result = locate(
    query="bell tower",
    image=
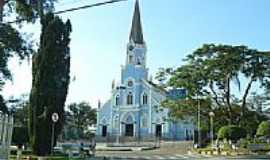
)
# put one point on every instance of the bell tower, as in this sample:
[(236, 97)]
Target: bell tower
[(135, 67), (136, 48)]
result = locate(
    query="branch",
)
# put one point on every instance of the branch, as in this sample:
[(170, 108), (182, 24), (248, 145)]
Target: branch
[(215, 94), (246, 94), (228, 91)]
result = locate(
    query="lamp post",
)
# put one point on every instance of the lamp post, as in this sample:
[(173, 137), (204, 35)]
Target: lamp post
[(118, 133), (199, 122), (211, 115)]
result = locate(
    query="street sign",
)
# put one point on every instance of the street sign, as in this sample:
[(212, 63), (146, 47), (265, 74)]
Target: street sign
[(55, 117)]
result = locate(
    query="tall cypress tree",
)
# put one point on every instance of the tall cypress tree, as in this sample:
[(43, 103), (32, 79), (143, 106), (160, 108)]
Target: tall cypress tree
[(50, 72)]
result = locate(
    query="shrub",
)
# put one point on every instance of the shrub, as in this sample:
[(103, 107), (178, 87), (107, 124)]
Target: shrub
[(263, 129), (231, 132), (20, 136)]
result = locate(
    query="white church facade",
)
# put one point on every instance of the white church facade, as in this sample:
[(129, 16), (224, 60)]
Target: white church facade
[(134, 109)]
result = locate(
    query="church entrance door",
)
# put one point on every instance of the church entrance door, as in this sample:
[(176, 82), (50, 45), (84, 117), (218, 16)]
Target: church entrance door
[(158, 130), (129, 130), (104, 131)]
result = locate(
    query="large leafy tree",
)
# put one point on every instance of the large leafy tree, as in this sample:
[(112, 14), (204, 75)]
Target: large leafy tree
[(222, 72), (50, 72), (79, 117), (12, 43)]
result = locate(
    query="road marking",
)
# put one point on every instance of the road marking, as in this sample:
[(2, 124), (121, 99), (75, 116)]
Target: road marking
[(172, 157), (207, 156), (159, 157), (194, 156), (146, 157), (133, 157), (181, 156)]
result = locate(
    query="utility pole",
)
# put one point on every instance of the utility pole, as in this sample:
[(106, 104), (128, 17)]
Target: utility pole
[(212, 114)]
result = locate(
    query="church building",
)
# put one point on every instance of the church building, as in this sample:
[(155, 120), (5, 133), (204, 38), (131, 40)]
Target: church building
[(134, 109)]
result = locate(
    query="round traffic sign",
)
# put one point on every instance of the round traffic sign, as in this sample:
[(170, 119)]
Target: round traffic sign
[(55, 117)]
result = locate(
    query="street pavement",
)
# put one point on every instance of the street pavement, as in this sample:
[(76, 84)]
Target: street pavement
[(142, 156), (168, 151), (155, 157), (180, 157)]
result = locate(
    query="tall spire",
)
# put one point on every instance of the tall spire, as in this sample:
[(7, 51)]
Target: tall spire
[(136, 34)]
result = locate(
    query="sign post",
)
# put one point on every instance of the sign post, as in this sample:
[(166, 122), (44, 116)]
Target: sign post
[(55, 118)]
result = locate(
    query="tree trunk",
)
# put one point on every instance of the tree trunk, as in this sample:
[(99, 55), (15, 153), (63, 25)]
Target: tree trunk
[(214, 93), (40, 10), (227, 96), (244, 100)]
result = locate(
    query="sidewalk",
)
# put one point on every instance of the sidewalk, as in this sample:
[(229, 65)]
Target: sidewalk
[(105, 147)]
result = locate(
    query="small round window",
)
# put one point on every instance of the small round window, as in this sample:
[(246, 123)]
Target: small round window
[(130, 83)]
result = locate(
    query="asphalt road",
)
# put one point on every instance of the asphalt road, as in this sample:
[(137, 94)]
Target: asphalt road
[(168, 151), (162, 156), (179, 157)]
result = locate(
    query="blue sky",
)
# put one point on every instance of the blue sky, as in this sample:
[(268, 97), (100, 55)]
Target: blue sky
[(172, 29)]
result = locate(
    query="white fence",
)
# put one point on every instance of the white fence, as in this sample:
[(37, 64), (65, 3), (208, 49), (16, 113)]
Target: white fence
[(6, 128)]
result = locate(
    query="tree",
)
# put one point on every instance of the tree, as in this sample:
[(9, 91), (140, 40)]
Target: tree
[(50, 72), (12, 43), (263, 129), (80, 116), (3, 106), (183, 108), (212, 70), (19, 110), (30, 10), (231, 132)]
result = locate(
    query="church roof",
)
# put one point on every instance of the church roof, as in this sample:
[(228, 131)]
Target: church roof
[(136, 34)]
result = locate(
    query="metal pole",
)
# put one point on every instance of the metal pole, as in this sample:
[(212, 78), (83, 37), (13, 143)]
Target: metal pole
[(52, 140), (139, 128), (199, 123), (212, 131), (118, 133)]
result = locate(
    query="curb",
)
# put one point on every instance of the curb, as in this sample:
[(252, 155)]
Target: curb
[(127, 149)]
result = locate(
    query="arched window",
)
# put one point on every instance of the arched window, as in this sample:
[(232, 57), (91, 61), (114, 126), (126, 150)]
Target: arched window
[(117, 100), (139, 61), (129, 99), (144, 99)]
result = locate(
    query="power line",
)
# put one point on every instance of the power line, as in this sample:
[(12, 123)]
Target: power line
[(74, 9), (88, 6)]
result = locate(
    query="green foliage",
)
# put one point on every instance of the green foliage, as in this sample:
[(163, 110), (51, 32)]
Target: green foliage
[(20, 132), (3, 106), (79, 117), (181, 109), (33, 9), (20, 135), (213, 70), (263, 129), (50, 70), (11, 44), (231, 132)]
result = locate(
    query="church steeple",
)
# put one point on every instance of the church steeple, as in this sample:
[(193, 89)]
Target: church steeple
[(136, 34)]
